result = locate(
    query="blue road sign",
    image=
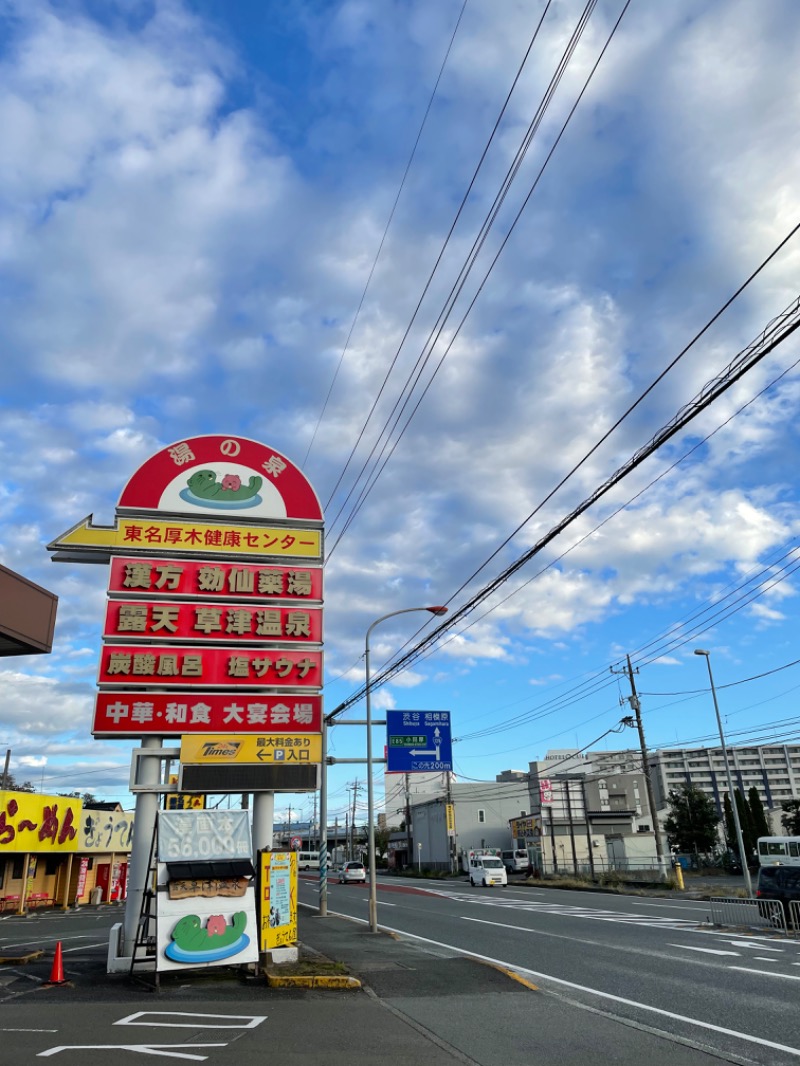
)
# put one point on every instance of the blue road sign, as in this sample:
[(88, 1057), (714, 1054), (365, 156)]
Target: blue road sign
[(418, 741)]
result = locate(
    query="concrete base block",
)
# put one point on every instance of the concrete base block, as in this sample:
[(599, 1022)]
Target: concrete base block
[(282, 955)]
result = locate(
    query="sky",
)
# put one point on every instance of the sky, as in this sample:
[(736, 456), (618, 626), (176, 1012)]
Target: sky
[(272, 220)]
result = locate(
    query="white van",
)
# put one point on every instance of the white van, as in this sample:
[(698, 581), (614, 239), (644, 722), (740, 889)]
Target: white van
[(309, 860), (487, 870), (516, 861)]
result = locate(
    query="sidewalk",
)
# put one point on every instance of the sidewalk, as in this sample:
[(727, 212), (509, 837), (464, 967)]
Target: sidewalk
[(471, 1011)]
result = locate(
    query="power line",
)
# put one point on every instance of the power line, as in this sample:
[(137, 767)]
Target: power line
[(778, 330), (386, 231)]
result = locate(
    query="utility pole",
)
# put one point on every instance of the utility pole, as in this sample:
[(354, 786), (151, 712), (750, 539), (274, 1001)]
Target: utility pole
[(5, 768), (408, 823), (636, 706)]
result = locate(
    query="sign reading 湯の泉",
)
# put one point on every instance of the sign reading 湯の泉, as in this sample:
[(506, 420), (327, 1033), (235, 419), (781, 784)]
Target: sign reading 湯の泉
[(418, 741), (215, 584), (278, 899)]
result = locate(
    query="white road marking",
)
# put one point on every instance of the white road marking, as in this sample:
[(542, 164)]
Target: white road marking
[(2, 1030), (670, 906), (83, 947), (765, 958), (239, 1021), (602, 995), (707, 951), (766, 973), (750, 944)]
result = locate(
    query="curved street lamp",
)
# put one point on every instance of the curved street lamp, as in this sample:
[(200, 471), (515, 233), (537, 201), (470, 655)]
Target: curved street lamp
[(734, 806), (373, 888)]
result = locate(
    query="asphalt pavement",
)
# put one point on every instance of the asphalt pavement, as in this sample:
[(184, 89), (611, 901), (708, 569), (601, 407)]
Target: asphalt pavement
[(416, 1002)]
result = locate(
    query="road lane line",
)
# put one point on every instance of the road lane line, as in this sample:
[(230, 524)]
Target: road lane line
[(750, 944), (746, 1037), (707, 951), (767, 973)]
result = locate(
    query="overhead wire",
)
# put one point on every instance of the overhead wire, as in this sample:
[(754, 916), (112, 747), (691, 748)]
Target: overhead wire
[(463, 275), (386, 230), (439, 257), (778, 330)]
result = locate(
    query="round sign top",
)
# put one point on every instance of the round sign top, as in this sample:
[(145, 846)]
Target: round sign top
[(218, 475), (296, 843)]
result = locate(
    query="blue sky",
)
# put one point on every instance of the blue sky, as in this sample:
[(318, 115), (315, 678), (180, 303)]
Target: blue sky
[(192, 201)]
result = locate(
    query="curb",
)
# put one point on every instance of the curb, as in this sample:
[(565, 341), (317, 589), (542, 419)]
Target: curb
[(312, 982), (509, 973)]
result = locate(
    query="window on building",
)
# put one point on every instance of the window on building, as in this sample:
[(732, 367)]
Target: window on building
[(481, 816), (16, 870)]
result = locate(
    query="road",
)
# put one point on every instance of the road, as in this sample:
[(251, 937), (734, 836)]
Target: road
[(648, 961)]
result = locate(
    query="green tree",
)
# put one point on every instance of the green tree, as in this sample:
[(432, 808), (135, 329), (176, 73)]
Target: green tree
[(760, 822), (746, 822), (730, 825), (13, 785), (692, 821), (790, 819)]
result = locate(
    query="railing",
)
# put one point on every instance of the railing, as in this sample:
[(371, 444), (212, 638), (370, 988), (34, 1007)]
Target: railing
[(794, 918), (748, 913)]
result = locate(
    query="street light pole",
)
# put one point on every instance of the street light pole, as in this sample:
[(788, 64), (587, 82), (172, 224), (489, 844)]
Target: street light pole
[(373, 886), (734, 807)]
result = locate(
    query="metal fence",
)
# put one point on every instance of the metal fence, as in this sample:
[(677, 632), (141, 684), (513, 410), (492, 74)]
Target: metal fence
[(748, 913), (794, 918)]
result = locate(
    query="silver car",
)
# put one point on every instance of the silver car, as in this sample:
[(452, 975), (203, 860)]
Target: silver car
[(352, 871)]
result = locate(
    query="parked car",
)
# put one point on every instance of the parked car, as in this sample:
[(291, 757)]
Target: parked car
[(516, 861), (781, 883), (352, 872), (487, 870)]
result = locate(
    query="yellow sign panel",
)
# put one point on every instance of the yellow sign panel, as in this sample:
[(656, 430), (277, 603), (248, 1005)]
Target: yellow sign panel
[(34, 823), (131, 535), (450, 816), (277, 876), (183, 801), (283, 748)]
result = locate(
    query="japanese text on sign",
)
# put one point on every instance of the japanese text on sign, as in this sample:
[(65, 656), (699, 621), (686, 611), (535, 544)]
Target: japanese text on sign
[(34, 823), (186, 577), (206, 622), (133, 665), (194, 836), (128, 714)]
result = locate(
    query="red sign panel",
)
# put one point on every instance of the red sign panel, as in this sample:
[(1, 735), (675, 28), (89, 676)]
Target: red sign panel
[(184, 577), (133, 714), (202, 622), (222, 475), (131, 664), (545, 791)]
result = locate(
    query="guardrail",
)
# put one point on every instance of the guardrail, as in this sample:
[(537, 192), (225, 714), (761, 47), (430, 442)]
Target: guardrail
[(748, 913), (794, 918)]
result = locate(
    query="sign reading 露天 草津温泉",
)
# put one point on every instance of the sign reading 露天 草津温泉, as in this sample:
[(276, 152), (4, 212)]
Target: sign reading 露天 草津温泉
[(418, 741)]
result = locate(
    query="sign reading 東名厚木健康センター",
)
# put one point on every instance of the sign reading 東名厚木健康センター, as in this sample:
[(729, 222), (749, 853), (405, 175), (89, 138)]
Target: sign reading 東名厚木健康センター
[(418, 741)]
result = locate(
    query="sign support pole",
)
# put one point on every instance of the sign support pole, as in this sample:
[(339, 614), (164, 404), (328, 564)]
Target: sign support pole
[(143, 829), (263, 821)]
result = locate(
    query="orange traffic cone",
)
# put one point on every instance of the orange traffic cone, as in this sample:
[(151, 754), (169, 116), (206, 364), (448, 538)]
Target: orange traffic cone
[(57, 972)]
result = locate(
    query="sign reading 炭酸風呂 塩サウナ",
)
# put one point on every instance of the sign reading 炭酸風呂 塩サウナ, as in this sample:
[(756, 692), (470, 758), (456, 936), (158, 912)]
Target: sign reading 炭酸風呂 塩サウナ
[(132, 664), (133, 714), (418, 741)]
